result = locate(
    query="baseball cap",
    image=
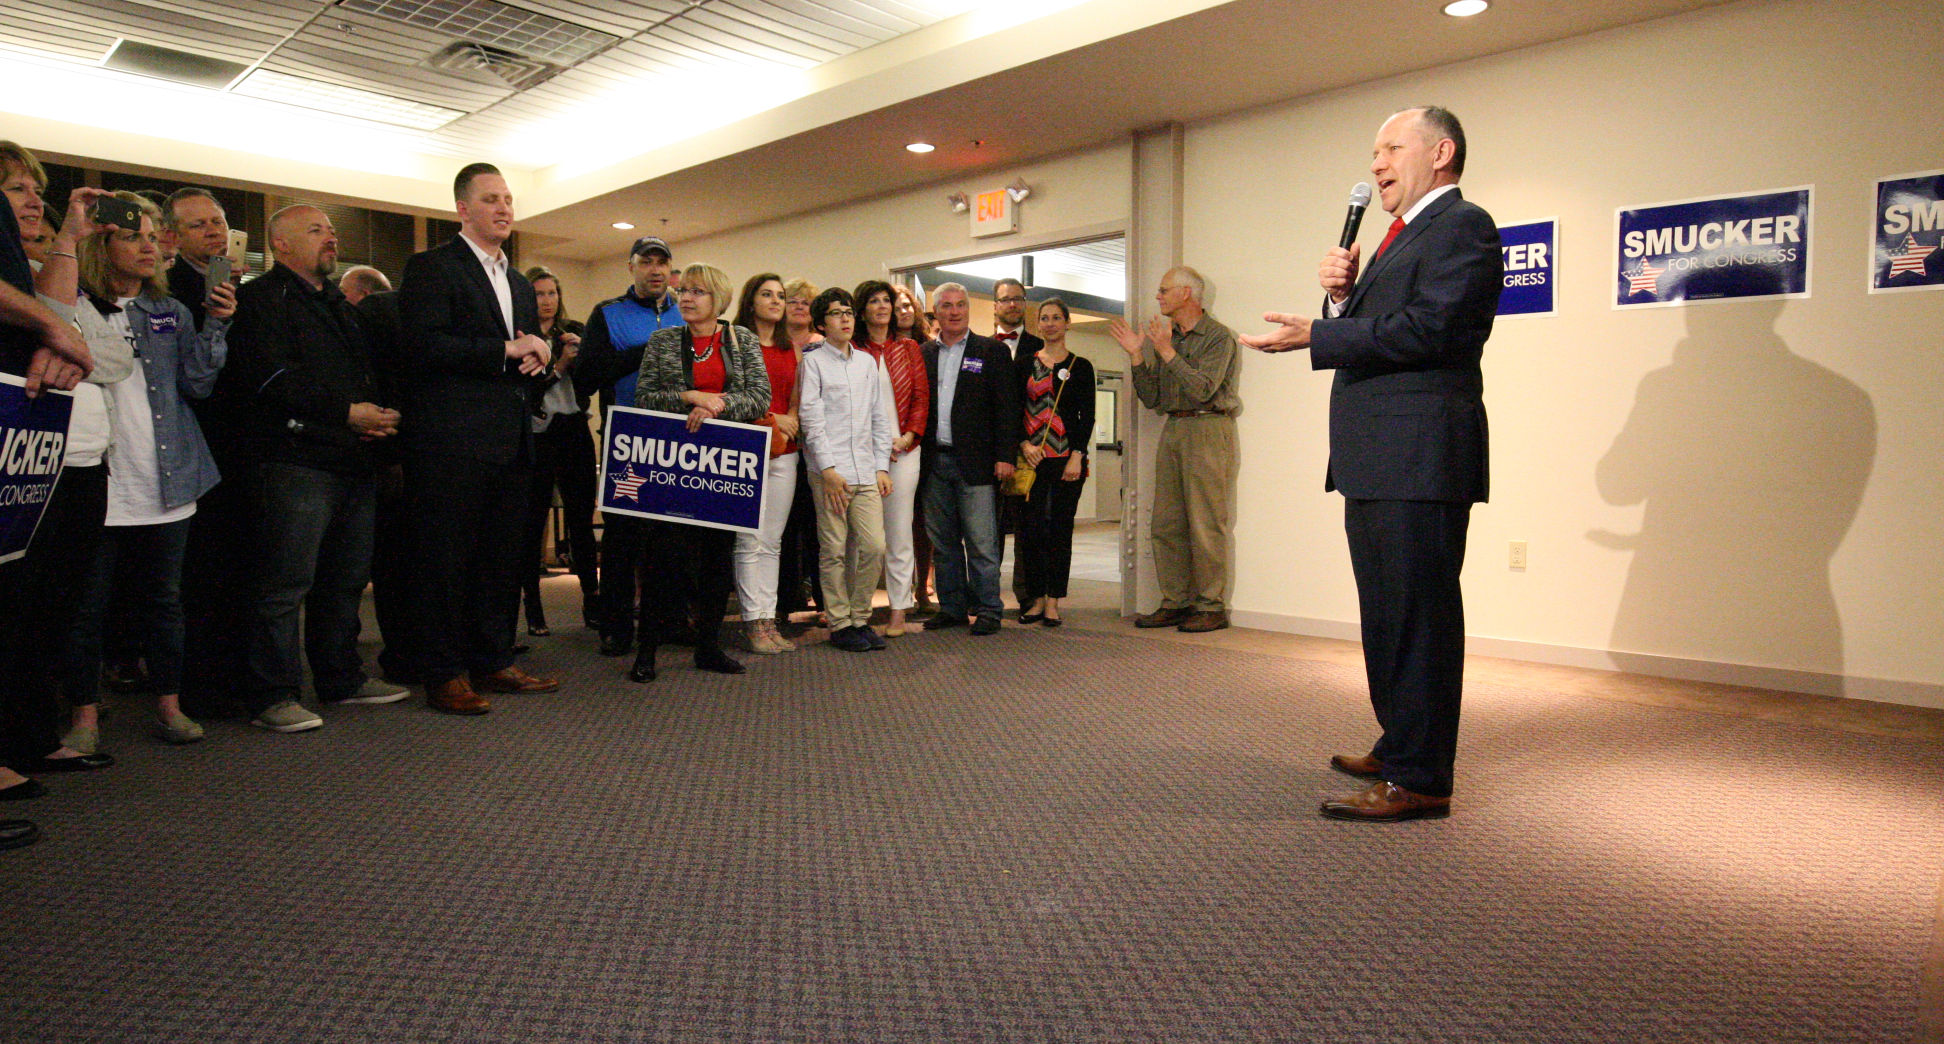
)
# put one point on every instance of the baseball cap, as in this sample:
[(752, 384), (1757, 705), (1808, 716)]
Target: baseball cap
[(646, 244)]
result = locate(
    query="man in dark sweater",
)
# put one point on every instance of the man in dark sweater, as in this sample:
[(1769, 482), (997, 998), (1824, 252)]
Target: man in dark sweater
[(307, 412)]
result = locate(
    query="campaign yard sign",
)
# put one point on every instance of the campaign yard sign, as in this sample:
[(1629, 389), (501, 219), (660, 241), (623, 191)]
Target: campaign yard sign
[(654, 467), (33, 442), (1712, 249), (1531, 252), (1908, 231)]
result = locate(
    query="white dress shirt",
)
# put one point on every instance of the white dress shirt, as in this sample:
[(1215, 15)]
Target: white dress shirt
[(495, 265), (845, 424)]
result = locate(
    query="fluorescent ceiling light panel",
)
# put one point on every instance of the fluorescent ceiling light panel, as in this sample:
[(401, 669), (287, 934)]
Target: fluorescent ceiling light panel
[(197, 70), (345, 101), (491, 22)]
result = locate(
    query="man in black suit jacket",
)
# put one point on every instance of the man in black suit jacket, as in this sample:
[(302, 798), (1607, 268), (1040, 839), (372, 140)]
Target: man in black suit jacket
[(1009, 329), (1407, 449), (472, 359), (971, 438)]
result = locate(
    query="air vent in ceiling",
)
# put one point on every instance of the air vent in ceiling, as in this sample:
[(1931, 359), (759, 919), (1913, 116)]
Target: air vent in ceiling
[(464, 57), (169, 64), (500, 26)]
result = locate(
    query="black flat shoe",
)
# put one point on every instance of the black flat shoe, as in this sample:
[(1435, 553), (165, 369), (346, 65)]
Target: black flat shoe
[(1031, 618), (78, 763), (643, 670), (716, 660), (17, 833), (541, 631), (521, 649), (27, 791), (1051, 621)]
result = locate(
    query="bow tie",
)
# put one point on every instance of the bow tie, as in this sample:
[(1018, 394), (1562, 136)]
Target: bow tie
[(1010, 335)]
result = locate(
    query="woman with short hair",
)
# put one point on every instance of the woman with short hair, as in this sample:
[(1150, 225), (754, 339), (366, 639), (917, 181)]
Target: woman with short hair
[(709, 370)]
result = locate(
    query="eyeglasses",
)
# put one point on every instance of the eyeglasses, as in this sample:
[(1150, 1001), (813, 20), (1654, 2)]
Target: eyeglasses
[(1009, 300), (693, 291), (840, 313)]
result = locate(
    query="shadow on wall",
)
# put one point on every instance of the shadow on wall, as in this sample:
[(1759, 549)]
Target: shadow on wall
[(1751, 461)]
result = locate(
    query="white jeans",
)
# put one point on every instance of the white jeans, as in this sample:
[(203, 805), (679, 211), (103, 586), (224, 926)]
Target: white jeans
[(757, 554), (900, 554)]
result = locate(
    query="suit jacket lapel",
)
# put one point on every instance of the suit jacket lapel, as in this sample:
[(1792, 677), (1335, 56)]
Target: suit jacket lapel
[(1403, 241)]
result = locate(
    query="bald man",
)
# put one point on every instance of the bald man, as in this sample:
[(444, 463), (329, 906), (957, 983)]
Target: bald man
[(309, 418)]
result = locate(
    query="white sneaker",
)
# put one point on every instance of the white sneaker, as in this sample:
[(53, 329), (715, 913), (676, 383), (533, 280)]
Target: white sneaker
[(377, 690), (288, 716)]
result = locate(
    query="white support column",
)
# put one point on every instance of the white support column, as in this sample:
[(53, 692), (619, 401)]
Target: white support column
[(1153, 247)]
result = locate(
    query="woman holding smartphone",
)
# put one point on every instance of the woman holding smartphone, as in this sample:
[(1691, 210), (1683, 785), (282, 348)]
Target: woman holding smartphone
[(159, 465)]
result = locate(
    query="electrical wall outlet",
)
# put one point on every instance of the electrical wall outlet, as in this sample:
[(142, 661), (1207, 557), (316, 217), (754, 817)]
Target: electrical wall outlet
[(1517, 558)]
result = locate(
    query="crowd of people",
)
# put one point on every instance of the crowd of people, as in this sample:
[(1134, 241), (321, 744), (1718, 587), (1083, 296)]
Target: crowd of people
[(247, 453)]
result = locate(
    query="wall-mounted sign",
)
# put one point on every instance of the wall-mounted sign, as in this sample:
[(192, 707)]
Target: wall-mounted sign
[(1905, 242), (994, 214), (1717, 248), (1531, 254)]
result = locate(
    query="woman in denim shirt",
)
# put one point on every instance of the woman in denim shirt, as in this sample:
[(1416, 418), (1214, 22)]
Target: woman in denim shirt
[(157, 466)]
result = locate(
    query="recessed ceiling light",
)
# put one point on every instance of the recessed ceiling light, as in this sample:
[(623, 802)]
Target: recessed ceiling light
[(919, 147), (624, 225), (1465, 8)]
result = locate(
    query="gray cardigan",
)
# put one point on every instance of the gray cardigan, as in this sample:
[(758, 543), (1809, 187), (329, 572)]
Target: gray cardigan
[(663, 377)]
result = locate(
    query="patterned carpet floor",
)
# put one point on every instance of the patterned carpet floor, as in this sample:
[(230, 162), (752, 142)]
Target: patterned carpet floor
[(1040, 836)]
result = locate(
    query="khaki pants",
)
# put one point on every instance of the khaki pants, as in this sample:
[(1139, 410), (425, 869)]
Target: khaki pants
[(1194, 510), (850, 553)]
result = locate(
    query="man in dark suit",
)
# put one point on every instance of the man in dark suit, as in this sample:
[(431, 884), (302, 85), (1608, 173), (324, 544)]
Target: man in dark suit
[(1407, 449), (472, 359), (1009, 329), (971, 438)]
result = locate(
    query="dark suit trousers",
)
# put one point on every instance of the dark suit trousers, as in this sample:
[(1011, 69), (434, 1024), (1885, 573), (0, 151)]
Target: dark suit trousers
[(1407, 555), (468, 519)]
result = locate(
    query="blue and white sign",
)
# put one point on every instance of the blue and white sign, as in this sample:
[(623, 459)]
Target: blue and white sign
[(1713, 249), (1907, 234), (654, 467), (33, 442), (1531, 253)]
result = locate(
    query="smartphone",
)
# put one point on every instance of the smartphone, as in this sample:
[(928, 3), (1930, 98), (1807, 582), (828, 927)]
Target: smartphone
[(117, 212), (219, 271), (239, 249)]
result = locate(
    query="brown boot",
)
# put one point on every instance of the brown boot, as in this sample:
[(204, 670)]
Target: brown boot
[(456, 696)]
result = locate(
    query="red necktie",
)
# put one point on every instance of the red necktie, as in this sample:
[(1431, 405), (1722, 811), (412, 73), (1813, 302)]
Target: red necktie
[(1396, 227)]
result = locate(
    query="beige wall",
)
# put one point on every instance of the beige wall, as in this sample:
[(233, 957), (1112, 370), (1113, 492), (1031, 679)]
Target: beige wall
[(1719, 532)]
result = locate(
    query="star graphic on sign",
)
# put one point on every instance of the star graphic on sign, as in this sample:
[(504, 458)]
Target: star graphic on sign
[(1910, 258), (1646, 279)]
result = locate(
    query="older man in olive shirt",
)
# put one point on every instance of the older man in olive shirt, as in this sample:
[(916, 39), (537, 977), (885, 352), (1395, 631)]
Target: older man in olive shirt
[(1184, 365)]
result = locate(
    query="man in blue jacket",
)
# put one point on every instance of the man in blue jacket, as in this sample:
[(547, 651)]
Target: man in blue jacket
[(610, 356)]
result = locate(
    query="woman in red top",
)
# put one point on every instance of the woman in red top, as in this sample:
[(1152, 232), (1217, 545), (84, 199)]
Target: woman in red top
[(903, 364), (908, 321), (760, 311)]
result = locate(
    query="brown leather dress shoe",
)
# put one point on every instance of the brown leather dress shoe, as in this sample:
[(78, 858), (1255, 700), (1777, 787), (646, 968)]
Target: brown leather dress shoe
[(1163, 617), (513, 680), (1387, 803), (456, 696), (1207, 620), (1362, 766)]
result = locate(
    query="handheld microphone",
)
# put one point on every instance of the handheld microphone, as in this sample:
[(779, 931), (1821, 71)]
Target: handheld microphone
[(1359, 199)]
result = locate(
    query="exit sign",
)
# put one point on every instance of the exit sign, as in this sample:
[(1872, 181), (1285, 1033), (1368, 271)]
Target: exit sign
[(994, 214)]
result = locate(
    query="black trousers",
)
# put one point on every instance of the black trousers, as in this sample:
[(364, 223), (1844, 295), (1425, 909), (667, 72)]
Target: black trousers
[(564, 455), (392, 568), (1043, 554), (39, 595), (690, 568), (468, 518), (1407, 555)]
